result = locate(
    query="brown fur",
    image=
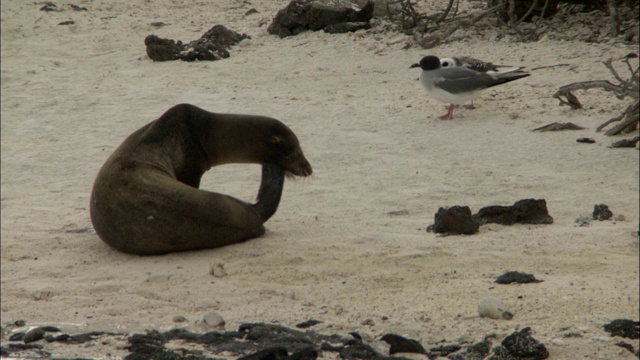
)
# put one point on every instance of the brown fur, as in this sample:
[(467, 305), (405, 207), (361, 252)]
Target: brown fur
[(146, 201)]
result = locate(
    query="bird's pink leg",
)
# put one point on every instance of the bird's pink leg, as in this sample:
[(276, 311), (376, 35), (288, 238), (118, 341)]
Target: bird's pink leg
[(448, 115)]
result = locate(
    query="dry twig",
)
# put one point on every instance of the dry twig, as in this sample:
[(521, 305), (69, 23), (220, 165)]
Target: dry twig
[(549, 66), (630, 117), (431, 40)]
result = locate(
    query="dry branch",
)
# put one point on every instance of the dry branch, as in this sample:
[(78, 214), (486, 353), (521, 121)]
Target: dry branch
[(585, 85), (630, 117), (613, 14), (432, 40)]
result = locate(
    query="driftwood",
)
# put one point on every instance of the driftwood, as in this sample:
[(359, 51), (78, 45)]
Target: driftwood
[(566, 90), (629, 121), (625, 143), (625, 88)]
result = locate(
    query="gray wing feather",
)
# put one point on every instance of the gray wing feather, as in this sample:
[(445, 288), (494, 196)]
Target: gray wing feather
[(461, 80)]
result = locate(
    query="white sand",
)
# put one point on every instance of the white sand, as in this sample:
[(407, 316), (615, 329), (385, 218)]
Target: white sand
[(71, 94)]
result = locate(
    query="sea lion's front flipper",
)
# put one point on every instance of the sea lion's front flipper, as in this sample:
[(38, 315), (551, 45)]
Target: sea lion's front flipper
[(270, 191)]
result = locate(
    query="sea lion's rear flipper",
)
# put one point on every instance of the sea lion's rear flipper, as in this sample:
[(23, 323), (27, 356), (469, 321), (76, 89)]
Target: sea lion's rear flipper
[(270, 191)]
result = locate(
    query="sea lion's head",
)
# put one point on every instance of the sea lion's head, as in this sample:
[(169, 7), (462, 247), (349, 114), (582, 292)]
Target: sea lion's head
[(284, 150)]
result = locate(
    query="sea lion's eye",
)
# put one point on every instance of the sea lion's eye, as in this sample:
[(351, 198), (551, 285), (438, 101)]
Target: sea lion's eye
[(281, 145), (275, 139)]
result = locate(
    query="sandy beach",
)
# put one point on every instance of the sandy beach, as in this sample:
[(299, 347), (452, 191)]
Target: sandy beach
[(349, 245)]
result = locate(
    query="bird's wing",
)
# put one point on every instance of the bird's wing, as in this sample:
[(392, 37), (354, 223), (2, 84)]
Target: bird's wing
[(475, 64), (462, 80)]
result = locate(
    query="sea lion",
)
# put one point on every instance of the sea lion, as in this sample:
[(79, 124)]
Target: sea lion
[(146, 201)]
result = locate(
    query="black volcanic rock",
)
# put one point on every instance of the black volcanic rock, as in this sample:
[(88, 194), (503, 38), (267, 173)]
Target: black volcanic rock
[(520, 345), (455, 220), (526, 211), (601, 212), (335, 16), (211, 46), (516, 277)]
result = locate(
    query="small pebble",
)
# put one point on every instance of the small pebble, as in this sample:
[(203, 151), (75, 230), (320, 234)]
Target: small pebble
[(572, 335), (42, 295), (216, 269), (368, 322), (494, 308), (583, 221), (620, 217), (213, 320), (558, 342), (179, 318)]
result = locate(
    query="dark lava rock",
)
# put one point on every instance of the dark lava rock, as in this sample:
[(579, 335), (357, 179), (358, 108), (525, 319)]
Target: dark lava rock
[(162, 49), (86, 337), (303, 15), (211, 46), (17, 349), (274, 334), (400, 344), (345, 27), (455, 220), (520, 345), (476, 351), (623, 328), (308, 353), (252, 340), (308, 324), (149, 346), (78, 8), (601, 212), (526, 211), (49, 6), (357, 350), (585, 140), (443, 351), (274, 353), (625, 345), (516, 277)]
